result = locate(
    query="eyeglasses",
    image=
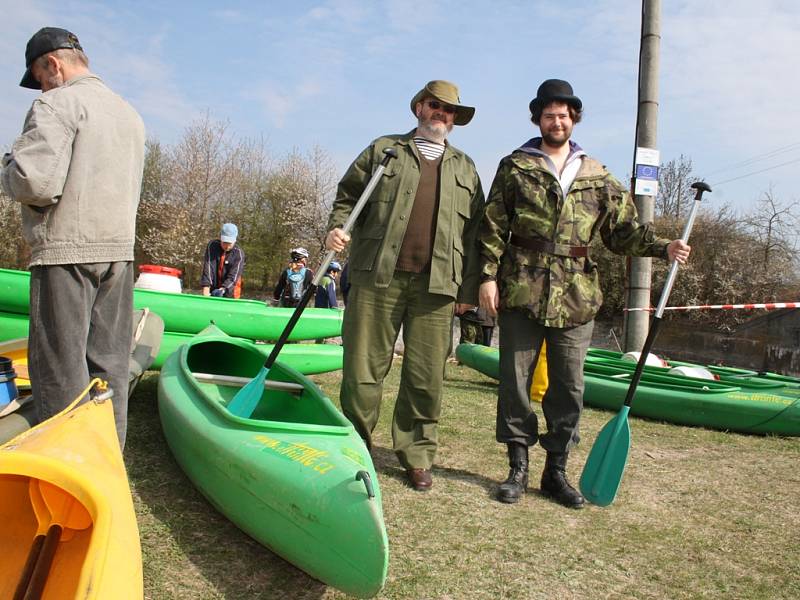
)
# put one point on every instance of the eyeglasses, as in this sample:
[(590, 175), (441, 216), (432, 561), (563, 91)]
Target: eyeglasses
[(436, 105)]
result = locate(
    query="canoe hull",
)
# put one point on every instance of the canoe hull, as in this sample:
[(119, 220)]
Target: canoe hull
[(189, 313), (78, 452), (740, 400), (309, 359), (290, 484)]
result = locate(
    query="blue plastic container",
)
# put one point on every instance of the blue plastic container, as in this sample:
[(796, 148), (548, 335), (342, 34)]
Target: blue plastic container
[(8, 387)]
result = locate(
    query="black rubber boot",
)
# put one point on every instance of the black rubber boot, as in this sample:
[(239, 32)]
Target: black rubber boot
[(512, 489), (555, 484)]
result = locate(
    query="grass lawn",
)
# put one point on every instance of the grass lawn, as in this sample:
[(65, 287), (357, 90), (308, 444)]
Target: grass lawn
[(700, 514)]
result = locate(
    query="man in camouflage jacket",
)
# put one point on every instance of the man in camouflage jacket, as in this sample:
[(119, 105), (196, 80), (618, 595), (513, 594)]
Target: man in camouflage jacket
[(413, 260), (547, 202)]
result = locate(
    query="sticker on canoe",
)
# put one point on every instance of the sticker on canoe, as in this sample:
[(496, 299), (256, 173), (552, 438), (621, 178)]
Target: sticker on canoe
[(301, 453), (355, 456), (763, 398)]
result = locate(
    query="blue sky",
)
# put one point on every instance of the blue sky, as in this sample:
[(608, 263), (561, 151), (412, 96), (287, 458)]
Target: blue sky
[(338, 73)]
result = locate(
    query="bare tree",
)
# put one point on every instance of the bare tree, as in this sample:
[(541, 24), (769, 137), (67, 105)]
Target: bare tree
[(773, 224), (299, 197), (674, 191), (210, 177)]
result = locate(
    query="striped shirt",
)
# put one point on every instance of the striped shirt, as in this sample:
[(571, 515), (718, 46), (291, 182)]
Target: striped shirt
[(428, 149)]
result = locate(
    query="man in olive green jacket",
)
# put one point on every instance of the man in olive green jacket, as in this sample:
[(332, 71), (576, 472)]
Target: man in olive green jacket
[(413, 254), (548, 200)]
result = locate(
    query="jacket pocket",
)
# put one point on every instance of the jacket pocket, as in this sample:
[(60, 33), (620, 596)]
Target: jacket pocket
[(464, 191), (458, 260), (379, 206), (582, 296), (36, 220), (520, 278), (365, 249)]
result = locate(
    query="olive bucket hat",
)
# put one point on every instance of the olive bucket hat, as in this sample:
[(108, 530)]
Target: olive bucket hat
[(445, 92)]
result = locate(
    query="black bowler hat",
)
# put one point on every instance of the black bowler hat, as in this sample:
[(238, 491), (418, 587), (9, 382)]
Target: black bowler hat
[(555, 90), (43, 41)]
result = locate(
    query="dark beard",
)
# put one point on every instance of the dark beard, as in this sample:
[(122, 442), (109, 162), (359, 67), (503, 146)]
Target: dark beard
[(554, 142)]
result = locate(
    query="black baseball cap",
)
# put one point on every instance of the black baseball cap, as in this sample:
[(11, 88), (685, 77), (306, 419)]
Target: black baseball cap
[(43, 41)]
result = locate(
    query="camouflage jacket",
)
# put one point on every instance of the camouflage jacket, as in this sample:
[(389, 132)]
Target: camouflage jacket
[(527, 200), (381, 226)]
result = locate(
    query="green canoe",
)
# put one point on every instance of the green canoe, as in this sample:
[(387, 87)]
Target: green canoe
[(296, 476), (306, 358), (739, 400), (189, 313)]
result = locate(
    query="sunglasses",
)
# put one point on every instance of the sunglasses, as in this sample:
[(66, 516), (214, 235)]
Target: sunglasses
[(436, 105)]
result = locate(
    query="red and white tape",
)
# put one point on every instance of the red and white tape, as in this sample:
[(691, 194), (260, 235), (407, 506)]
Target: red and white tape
[(763, 305)]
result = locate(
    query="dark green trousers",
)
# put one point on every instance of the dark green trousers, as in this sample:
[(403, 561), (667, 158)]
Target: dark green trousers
[(372, 322)]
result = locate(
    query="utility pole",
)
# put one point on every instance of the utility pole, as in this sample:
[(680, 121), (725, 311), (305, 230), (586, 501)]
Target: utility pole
[(637, 292)]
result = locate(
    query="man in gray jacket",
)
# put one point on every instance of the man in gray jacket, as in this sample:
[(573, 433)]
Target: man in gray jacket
[(76, 170)]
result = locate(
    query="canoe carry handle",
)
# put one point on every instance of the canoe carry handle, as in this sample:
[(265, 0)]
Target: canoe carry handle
[(364, 476)]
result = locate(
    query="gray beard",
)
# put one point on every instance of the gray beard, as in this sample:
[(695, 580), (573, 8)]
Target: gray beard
[(434, 134)]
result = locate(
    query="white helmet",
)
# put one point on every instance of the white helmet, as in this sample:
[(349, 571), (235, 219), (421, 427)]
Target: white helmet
[(298, 253)]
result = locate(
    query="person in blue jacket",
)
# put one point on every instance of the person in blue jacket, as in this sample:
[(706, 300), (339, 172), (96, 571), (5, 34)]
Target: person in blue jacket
[(326, 292)]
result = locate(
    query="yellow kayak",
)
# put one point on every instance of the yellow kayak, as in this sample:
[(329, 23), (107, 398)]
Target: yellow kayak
[(68, 523)]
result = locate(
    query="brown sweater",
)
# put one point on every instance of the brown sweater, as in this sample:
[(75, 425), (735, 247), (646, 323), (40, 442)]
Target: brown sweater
[(417, 248)]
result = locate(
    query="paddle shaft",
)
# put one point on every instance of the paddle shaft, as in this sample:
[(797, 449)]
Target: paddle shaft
[(605, 464), (389, 154), (673, 272), (27, 570), (41, 570)]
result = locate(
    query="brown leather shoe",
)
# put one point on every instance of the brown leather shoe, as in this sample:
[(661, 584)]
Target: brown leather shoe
[(420, 479)]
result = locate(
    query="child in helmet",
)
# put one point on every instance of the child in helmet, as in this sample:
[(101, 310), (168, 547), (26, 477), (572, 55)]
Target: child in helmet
[(295, 280), (326, 292)]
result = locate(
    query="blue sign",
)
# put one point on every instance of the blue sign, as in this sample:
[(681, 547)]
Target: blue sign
[(647, 172)]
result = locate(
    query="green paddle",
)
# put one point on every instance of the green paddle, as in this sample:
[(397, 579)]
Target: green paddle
[(246, 399), (605, 465)]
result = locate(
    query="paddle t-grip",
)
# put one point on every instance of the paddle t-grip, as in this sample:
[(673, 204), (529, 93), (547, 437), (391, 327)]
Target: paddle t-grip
[(700, 186)]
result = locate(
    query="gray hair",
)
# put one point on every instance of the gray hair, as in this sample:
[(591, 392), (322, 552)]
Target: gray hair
[(72, 56)]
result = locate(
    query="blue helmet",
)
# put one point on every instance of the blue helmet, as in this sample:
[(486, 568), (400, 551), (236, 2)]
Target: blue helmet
[(334, 266)]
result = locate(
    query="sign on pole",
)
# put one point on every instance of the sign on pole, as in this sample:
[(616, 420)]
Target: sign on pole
[(646, 175)]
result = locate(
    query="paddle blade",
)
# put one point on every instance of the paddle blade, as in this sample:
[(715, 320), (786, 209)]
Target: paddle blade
[(605, 465), (65, 510), (247, 398)]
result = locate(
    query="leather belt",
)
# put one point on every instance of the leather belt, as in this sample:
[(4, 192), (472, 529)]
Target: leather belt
[(549, 247)]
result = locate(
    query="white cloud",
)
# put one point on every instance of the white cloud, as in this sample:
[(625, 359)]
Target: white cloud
[(279, 102)]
